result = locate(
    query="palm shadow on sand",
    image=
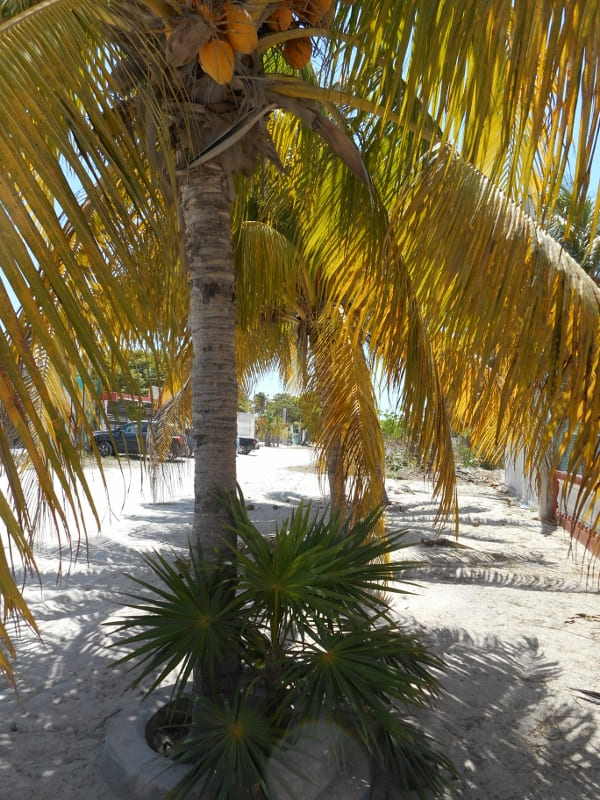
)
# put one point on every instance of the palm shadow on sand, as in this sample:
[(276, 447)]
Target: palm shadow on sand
[(505, 731)]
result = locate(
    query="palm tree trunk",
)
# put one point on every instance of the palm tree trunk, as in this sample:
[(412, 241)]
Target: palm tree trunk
[(205, 201), (336, 478)]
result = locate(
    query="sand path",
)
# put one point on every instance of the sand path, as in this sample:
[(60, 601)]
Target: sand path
[(514, 614)]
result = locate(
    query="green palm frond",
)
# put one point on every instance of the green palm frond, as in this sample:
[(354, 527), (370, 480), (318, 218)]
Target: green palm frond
[(344, 666), (189, 617), (318, 645), (578, 235), (318, 568), (229, 752)]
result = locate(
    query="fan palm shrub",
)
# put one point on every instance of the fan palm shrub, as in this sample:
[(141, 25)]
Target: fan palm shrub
[(309, 616)]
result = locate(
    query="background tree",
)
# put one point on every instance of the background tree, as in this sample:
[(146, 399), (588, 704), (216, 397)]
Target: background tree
[(259, 403), (286, 407), (145, 368), (579, 237)]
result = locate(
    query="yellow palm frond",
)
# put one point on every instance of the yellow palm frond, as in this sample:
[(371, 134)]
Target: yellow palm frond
[(529, 69), (513, 320), (346, 239), (350, 443)]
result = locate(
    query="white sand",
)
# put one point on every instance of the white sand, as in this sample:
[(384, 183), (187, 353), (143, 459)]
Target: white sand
[(513, 614)]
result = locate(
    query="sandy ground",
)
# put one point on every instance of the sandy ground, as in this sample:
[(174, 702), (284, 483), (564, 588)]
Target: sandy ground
[(514, 614)]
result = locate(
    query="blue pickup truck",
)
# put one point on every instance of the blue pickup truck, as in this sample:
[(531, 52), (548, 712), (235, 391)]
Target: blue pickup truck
[(132, 438)]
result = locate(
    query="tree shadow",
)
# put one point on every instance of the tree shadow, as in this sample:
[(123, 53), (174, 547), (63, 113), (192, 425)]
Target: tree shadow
[(293, 499), (506, 569), (420, 516), (52, 733), (152, 525), (507, 731), (498, 716)]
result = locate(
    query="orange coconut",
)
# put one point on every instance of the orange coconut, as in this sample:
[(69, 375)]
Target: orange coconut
[(312, 11), (316, 11), (217, 59), (297, 52), (239, 28), (280, 19)]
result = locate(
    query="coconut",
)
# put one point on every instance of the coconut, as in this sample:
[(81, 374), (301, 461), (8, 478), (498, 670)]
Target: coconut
[(297, 52), (312, 11), (217, 59), (280, 19), (240, 29)]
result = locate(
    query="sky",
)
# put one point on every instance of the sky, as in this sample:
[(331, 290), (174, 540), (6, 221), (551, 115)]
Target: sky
[(271, 385)]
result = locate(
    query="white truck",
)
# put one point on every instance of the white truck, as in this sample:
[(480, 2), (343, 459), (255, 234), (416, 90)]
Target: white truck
[(246, 430)]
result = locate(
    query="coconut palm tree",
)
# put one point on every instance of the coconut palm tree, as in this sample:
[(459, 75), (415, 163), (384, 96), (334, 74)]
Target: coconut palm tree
[(156, 103), (290, 321), (287, 254)]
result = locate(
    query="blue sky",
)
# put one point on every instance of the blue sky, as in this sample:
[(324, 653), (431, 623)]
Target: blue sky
[(271, 385)]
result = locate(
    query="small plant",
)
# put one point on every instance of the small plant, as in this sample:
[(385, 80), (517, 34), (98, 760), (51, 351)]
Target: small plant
[(466, 457), (402, 453), (308, 617), (463, 453)]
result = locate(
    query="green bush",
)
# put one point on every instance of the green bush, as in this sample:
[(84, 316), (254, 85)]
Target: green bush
[(401, 453), (465, 456), (308, 617), (392, 426)]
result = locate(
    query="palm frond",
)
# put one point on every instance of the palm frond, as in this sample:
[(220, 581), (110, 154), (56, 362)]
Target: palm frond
[(69, 181), (527, 69), (88, 164), (513, 319), (350, 445)]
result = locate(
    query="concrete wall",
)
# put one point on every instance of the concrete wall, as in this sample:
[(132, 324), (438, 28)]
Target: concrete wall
[(554, 504), (517, 482), (530, 491), (584, 530)]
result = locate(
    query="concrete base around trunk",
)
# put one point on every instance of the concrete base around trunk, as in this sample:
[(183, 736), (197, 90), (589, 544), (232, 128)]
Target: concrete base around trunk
[(323, 761), (129, 765)]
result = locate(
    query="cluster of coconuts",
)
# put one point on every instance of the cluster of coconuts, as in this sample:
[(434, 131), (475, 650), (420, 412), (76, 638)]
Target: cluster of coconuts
[(235, 30), (298, 51)]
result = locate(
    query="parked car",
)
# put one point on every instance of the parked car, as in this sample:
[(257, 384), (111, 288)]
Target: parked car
[(246, 443), (132, 439)]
